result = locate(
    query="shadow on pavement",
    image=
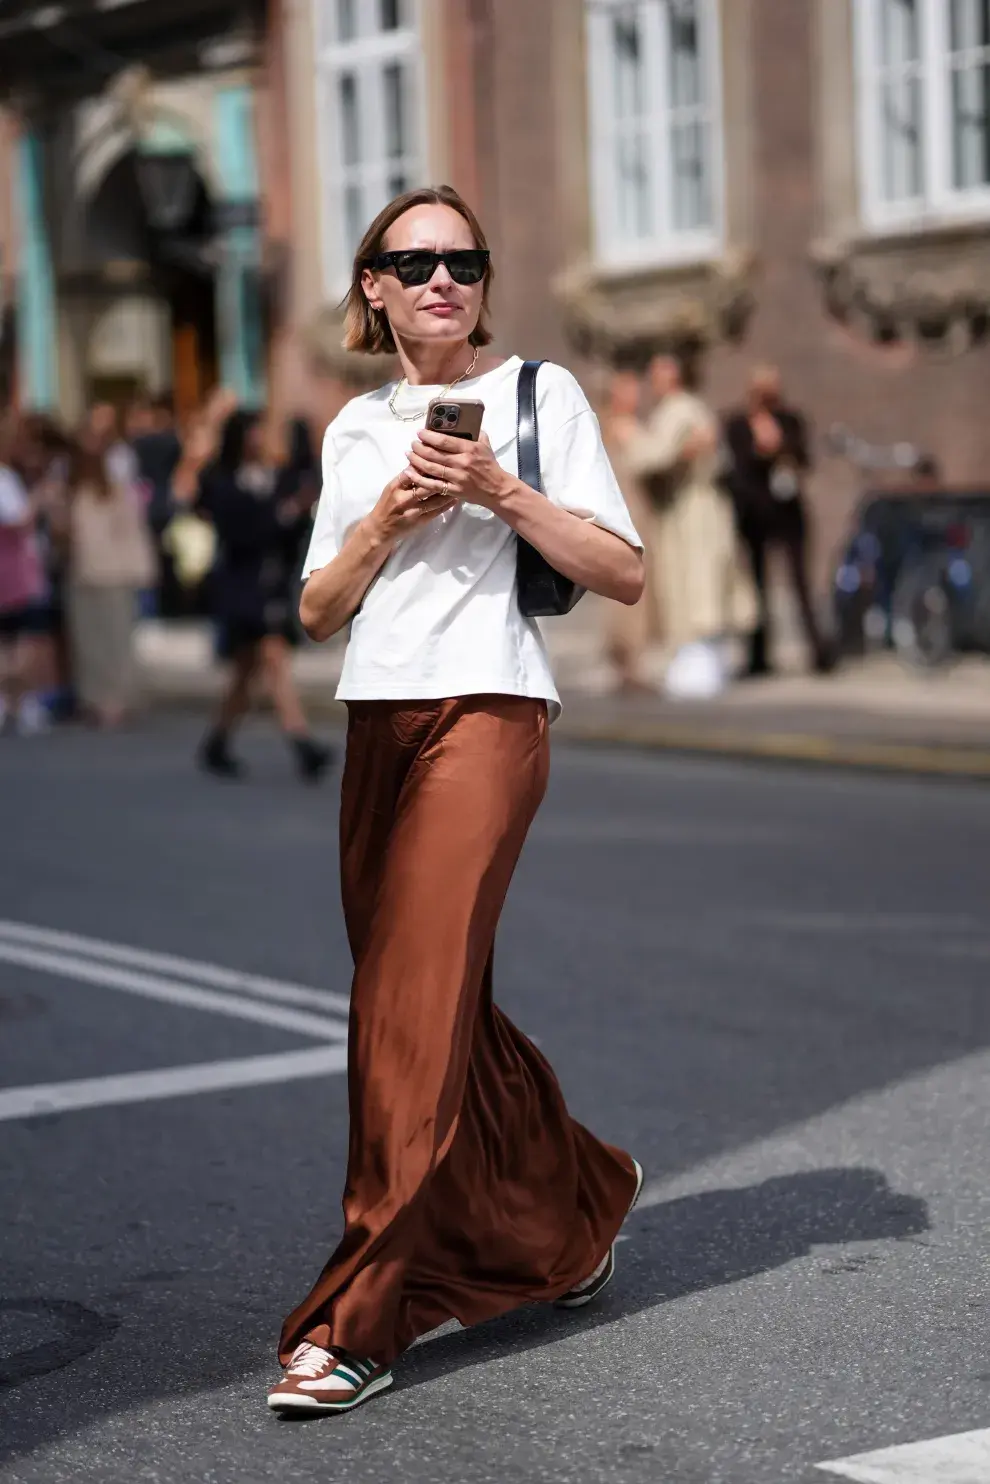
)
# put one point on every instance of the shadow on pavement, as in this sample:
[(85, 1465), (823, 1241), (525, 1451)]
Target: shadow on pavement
[(693, 1243), (684, 1246)]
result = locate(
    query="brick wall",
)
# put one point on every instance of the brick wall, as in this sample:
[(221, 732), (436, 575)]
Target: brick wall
[(835, 375)]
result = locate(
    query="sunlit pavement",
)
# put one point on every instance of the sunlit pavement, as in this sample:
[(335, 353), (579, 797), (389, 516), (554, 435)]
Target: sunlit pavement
[(769, 985)]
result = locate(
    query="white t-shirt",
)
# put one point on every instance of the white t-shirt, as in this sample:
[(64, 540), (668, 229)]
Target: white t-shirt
[(441, 618)]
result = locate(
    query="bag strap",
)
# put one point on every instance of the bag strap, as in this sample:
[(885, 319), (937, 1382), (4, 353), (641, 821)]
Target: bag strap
[(527, 426)]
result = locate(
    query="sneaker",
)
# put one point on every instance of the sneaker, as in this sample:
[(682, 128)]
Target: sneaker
[(318, 1380), (312, 758), (216, 757), (583, 1293)]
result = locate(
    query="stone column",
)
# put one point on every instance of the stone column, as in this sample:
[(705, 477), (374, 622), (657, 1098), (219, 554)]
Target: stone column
[(239, 310), (37, 356)]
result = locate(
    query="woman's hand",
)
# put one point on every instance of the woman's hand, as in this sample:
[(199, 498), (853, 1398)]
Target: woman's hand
[(768, 435), (333, 593), (700, 441), (405, 505), (454, 468)]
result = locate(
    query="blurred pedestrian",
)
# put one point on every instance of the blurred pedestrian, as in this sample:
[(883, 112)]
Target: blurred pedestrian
[(110, 559), (629, 629), (470, 1189), (45, 465), (676, 455), (22, 589), (769, 457), (157, 450), (104, 429), (260, 507)]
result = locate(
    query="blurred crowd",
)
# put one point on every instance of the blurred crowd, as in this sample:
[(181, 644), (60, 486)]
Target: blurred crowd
[(712, 497), (129, 514), (133, 514)]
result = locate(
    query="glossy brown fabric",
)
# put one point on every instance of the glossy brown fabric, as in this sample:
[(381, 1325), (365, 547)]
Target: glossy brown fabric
[(470, 1189)]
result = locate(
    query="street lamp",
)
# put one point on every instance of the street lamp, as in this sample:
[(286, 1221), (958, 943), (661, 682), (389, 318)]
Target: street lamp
[(164, 158), (167, 180)]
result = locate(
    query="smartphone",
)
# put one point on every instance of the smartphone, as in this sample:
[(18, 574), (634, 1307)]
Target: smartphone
[(457, 419)]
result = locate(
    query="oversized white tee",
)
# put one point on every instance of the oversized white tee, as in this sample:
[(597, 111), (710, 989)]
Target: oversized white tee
[(441, 619)]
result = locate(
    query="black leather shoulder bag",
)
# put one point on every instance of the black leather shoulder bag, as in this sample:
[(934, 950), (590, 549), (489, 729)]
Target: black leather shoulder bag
[(543, 591)]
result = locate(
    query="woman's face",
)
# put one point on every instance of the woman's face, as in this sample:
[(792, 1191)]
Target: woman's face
[(440, 310)]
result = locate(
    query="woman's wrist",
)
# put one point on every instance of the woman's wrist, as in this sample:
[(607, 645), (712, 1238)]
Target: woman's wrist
[(376, 536), (515, 499)]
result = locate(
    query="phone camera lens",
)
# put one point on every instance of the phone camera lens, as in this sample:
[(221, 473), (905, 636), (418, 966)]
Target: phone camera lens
[(451, 414)]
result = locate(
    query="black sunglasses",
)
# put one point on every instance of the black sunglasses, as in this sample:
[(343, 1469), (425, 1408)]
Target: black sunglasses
[(416, 266)]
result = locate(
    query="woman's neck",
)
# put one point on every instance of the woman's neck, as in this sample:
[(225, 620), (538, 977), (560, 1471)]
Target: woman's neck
[(434, 365)]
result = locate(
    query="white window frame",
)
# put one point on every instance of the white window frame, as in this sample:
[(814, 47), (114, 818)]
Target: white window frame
[(366, 55), (939, 200), (666, 246)]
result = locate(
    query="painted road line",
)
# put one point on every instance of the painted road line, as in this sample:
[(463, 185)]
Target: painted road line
[(169, 1082), (963, 1458), (153, 987), (277, 990)]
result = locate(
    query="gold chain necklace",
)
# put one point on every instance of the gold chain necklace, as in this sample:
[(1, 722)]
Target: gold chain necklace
[(414, 417)]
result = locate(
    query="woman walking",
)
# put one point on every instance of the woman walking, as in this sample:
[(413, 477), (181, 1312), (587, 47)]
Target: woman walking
[(470, 1190), (110, 559), (260, 511)]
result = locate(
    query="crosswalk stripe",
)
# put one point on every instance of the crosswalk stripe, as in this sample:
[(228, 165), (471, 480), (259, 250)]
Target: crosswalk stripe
[(169, 1082), (151, 986), (278, 990), (961, 1458)]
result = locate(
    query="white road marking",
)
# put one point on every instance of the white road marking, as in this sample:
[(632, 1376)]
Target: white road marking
[(653, 832), (860, 922), (170, 1082), (151, 986), (962, 1458), (276, 990)]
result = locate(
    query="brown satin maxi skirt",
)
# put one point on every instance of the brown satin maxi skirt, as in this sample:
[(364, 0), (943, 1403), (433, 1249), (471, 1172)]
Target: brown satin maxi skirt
[(470, 1189)]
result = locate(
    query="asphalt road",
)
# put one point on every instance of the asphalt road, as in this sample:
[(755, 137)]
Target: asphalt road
[(770, 985)]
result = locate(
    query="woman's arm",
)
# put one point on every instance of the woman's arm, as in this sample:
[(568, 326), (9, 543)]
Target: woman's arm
[(333, 594), (198, 451), (586, 553), (582, 551)]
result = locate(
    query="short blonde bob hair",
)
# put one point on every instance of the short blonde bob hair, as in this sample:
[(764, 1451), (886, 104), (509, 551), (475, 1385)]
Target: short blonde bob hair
[(367, 329)]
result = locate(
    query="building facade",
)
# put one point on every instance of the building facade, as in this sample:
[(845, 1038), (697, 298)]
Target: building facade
[(807, 183), (135, 252), (802, 181)]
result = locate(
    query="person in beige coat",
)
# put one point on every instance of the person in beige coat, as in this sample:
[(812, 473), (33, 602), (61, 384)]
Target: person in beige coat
[(690, 528), (629, 631), (110, 559)]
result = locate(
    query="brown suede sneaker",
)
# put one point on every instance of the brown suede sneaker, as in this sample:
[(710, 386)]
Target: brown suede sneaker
[(318, 1380), (591, 1287)]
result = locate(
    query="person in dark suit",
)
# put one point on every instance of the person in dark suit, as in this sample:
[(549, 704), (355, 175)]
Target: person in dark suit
[(768, 458)]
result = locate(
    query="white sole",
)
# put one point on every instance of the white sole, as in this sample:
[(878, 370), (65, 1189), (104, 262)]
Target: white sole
[(287, 1401), (639, 1185), (580, 1299)]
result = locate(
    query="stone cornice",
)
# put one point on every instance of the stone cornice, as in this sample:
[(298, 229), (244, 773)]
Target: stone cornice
[(932, 287), (629, 316)]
